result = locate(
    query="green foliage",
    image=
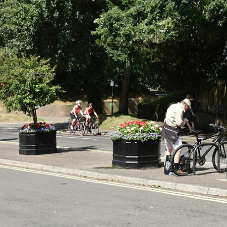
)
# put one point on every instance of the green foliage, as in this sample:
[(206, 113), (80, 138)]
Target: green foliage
[(169, 99), (137, 131), (172, 43), (18, 21), (26, 83), (216, 11), (60, 31)]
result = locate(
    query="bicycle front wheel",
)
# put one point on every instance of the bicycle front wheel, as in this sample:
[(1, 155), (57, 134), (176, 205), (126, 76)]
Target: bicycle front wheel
[(95, 129), (81, 128), (223, 158), (182, 160)]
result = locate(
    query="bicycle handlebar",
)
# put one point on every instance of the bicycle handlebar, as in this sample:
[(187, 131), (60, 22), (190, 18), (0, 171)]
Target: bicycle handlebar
[(219, 127), (196, 132)]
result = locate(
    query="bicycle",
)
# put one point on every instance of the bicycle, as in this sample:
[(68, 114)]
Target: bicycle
[(191, 154), (78, 127), (92, 126)]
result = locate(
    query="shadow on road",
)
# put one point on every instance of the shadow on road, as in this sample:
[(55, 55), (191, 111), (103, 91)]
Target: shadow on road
[(8, 139), (61, 126), (76, 149)]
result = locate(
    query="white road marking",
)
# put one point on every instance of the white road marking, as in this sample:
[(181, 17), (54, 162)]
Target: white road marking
[(9, 142), (143, 188)]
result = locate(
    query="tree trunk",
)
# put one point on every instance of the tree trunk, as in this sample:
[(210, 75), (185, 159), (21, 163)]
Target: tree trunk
[(94, 97), (34, 115), (123, 108)]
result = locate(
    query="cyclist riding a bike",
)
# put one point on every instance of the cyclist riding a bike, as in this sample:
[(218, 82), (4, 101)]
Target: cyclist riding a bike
[(88, 111), (74, 112)]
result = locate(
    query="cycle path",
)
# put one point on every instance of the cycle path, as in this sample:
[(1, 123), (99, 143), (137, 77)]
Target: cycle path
[(97, 164)]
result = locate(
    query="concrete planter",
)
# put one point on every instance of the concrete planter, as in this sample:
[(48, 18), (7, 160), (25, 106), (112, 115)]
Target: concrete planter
[(38, 143), (135, 155)]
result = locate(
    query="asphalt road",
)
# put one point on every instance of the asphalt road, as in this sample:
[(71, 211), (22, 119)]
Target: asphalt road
[(64, 139), (9, 132), (35, 198)]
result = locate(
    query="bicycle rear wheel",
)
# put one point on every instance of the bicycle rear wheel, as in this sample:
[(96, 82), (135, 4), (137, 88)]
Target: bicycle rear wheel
[(95, 129), (223, 158), (185, 156), (81, 128), (71, 131)]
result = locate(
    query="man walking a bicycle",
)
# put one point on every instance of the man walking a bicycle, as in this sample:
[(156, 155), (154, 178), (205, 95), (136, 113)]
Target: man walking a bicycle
[(170, 132)]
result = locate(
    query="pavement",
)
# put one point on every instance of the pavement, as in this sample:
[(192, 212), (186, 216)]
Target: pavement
[(97, 164)]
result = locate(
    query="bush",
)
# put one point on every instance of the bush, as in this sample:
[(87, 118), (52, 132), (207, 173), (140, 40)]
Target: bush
[(156, 110)]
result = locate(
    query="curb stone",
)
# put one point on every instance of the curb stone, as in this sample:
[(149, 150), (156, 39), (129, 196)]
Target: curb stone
[(115, 178)]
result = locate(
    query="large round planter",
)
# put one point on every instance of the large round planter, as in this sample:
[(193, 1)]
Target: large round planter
[(135, 155), (38, 143)]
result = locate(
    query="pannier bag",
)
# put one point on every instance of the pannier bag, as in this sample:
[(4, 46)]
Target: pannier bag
[(170, 132)]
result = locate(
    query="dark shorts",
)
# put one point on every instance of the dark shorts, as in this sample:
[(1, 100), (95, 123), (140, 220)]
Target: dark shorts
[(190, 118), (72, 116)]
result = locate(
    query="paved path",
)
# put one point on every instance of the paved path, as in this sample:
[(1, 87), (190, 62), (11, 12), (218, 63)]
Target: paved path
[(98, 164)]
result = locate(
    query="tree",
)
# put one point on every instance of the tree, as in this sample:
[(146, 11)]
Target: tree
[(128, 30), (170, 44), (115, 31), (59, 30), (26, 83)]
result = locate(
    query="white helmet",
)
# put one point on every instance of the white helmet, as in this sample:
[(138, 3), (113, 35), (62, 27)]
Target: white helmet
[(78, 102)]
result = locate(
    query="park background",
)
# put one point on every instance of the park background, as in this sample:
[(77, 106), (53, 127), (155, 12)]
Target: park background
[(145, 47)]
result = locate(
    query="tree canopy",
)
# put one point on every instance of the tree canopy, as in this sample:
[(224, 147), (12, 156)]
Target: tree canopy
[(139, 44), (26, 83), (172, 43), (59, 30)]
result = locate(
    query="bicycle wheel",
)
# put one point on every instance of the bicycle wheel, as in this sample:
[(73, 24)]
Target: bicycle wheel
[(81, 128), (223, 158), (95, 129), (184, 156), (71, 131)]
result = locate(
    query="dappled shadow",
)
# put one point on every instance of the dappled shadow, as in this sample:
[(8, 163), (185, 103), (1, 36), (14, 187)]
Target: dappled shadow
[(61, 126), (76, 149), (105, 167), (204, 171)]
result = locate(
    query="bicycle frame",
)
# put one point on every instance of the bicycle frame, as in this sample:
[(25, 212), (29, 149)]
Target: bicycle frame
[(205, 153), (90, 125), (217, 139), (77, 125), (199, 145), (191, 154)]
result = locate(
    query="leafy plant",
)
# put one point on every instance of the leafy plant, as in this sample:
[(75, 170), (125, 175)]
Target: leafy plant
[(26, 84), (137, 131), (41, 127)]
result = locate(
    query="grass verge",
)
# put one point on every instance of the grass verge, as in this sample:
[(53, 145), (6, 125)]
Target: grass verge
[(9, 117), (111, 122), (105, 121)]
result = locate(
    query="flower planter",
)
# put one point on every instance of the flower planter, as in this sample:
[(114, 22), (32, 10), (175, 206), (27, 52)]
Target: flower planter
[(135, 155), (37, 143)]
